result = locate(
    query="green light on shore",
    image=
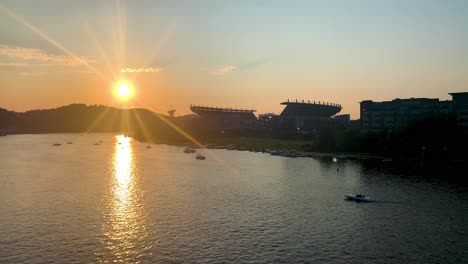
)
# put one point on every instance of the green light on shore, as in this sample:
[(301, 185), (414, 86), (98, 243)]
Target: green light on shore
[(335, 159)]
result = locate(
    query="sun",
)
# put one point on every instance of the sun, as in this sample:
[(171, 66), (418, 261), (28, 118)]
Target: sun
[(123, 90)]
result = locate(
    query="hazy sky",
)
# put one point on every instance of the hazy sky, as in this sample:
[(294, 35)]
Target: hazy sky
[(248, 54)]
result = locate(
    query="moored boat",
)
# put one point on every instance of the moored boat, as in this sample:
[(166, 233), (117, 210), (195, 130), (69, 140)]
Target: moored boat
[(200, 157), (189, 150), (231, 147), (359, 198)]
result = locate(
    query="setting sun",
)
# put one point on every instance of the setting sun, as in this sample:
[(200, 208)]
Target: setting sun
[(123, 90)]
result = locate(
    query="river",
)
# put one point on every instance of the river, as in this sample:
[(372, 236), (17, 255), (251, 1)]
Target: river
[(120, 201)]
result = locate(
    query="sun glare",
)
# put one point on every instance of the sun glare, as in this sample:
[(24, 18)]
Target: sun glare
[(123, 90)]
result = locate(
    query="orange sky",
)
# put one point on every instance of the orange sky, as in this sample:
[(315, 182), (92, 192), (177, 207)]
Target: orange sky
[(178, 53)]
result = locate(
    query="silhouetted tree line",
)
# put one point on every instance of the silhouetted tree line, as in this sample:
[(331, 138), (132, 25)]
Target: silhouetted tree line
[(77, 118)]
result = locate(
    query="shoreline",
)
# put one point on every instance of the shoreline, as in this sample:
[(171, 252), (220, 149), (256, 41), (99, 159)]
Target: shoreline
[(267, 145), (275, 147), (400, 164)]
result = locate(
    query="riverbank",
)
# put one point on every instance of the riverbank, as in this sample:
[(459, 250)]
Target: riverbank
[(279, 147)]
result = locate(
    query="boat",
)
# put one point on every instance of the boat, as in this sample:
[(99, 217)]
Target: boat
[(69, 142), (148, 146), (275, 152), (56, 144), (359, 198), (189, 150), (200, 157), (284, 153), (231, 147)]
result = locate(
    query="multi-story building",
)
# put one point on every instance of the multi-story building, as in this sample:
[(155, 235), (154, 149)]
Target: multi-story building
[(460, 107), (385, 116)]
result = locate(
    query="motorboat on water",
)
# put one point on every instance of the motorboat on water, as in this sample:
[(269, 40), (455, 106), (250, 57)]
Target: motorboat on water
[(359, 198), (149, 146), (200, 157), (56, 144), (189, 150)]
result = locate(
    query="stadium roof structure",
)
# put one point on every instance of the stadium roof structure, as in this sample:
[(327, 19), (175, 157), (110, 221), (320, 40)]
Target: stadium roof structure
[(310, 108), (205, 109)]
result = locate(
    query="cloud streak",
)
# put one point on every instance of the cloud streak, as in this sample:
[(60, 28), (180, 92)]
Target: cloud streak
[(224, 70), (141, 70), (31, 54)]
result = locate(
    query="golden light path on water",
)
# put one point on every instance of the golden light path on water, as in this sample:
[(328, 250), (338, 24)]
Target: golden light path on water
[(125, 229)]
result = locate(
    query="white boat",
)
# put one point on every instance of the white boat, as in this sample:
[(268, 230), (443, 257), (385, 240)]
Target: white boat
[(359, 198)]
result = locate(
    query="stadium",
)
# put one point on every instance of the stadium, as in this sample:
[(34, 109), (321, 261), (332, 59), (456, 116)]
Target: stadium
[(308, 116), (301, 116), (220, 118)]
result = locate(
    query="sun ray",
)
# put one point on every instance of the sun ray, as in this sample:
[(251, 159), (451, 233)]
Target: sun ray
[(97, 120), (192, 139), (121, 33), (49, 39), (141, 125), (126, 124), (154, 54), (111, 70), (174, 126)]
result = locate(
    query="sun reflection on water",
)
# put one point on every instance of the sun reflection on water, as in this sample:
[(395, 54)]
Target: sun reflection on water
[(124, 228)]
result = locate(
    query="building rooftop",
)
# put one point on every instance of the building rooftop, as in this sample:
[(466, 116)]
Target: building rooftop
[(220, 109), (459, 93), (401, 100), (308, 102)]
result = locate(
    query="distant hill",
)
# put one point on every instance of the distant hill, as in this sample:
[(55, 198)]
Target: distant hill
[(76, 118)]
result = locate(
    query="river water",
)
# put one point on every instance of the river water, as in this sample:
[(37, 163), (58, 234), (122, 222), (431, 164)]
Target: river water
[(123, 202)]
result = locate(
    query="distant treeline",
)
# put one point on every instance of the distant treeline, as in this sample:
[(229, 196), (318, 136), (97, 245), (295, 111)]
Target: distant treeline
[(76, 118)]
